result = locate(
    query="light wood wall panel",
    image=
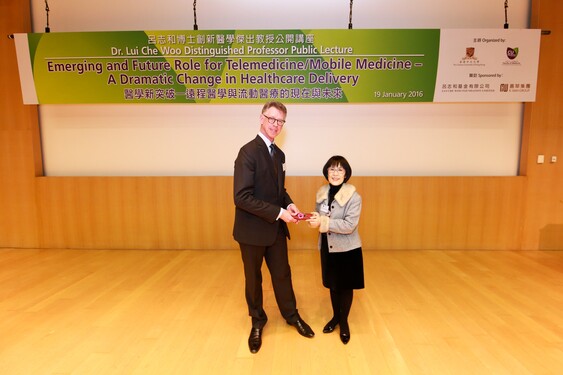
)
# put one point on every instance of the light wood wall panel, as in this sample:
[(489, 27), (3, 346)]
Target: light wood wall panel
[(198, 212), (543, 134), (136, 212), (18, 226), (430, 212), (20, 158)]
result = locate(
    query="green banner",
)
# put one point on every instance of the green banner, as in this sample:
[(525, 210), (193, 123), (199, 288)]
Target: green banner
[(242, 66)]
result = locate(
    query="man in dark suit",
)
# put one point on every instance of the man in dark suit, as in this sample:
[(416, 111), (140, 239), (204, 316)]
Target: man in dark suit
[(263, 209)]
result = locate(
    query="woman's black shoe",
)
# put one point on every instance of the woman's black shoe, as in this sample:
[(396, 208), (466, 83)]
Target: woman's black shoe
[(330, 326), (344, 333)]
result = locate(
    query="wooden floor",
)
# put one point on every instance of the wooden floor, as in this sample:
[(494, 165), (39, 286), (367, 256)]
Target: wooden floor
[(183, 312)]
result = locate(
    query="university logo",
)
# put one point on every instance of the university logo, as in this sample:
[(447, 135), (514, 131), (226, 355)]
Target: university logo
[(469, 58)]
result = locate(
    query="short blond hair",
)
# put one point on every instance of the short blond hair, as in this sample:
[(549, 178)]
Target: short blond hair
[(277, 105)]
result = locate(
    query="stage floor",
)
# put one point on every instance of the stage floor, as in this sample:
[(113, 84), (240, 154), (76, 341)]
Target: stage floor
[(183, 312)]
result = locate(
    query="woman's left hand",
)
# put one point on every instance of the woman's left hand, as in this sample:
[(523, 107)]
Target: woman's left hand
[(315, 220)]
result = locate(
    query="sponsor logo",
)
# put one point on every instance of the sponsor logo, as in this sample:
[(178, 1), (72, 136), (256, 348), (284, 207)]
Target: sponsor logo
[(511, 53), (515, 87)]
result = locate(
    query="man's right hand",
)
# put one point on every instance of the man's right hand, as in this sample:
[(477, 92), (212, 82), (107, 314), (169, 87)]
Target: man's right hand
[(287, 217)]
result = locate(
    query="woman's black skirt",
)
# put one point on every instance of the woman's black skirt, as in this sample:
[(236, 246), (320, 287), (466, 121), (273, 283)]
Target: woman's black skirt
[(342, 270)]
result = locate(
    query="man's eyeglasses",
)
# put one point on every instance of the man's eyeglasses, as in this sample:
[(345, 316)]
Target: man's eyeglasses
[(273, 121)]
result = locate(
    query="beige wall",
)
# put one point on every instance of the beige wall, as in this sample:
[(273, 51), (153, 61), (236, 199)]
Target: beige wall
[(524, 212)]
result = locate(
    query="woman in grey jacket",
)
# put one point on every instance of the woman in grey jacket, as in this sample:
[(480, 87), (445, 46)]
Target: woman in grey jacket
[(338, 208)]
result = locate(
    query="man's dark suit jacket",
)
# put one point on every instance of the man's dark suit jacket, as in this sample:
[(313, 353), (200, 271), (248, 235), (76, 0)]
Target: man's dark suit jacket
[(259, 192)]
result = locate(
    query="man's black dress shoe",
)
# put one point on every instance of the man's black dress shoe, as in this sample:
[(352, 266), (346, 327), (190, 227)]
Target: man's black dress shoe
[(330, 326), (303, 328), (255, 340)]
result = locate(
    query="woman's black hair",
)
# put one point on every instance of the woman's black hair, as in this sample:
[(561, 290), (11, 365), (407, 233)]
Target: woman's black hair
[(335, 161)]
